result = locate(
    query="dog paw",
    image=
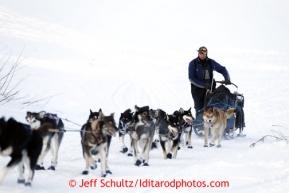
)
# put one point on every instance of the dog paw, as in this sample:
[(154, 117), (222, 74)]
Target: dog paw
[(38, 167), (129, 154), (19, 181), (138, 162), (85, 172), (145, 164), (219, 146), (211, 144), (190, 147), (169, 155), (124, 150), (103, 175), (51, 168), (28, 184), (93, 167), (108, 172), (206, 145), (156, 141)]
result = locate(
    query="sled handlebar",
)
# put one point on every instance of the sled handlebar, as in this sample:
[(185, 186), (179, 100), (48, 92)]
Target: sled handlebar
[(223, 82)]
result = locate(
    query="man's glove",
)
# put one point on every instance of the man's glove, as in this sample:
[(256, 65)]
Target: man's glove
[(226, 82), (208, 86)]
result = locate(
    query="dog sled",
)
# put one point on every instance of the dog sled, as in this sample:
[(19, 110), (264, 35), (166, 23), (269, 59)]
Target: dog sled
[(222, 98)]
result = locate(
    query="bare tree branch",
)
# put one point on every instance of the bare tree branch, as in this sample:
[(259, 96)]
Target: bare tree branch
[(278, 135), (10, 91), (30, 102)]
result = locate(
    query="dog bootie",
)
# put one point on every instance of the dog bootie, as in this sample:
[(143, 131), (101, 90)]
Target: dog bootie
[(39, 167), (169, 155), (138, 162), (51, 168), (130, 154), (28, 184), (85, 172), (93, 167), (124, 150), (108, 171), (145, 164), (53, 165), (21, 181)]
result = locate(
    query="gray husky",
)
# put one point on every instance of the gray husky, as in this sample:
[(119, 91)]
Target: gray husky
[(95, 139), (142, 131)]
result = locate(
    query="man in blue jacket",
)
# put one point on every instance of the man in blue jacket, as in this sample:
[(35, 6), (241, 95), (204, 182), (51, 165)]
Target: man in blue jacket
[(201, 77)]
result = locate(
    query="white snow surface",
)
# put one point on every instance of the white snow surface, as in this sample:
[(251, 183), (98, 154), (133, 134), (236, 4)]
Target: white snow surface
[(113, 55)]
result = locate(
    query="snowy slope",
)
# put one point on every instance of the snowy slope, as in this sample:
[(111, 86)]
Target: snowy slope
[(117, 54)]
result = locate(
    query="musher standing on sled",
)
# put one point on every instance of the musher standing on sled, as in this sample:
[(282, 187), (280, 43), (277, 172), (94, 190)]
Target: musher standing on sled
[(201, 77)]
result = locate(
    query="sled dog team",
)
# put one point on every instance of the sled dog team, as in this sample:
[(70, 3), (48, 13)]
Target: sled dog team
[(27, 145)]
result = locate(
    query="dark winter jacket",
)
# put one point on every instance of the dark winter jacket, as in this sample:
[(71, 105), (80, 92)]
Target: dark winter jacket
[(200, 74)]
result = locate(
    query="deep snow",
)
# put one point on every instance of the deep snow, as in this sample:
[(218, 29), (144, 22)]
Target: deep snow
[(117, 54)]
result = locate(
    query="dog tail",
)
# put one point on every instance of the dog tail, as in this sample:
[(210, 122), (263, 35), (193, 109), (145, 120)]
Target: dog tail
[(229, 112)]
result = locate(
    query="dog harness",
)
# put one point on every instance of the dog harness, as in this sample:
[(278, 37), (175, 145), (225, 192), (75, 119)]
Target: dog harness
[(53, 117), (184, 125), (99, 136)]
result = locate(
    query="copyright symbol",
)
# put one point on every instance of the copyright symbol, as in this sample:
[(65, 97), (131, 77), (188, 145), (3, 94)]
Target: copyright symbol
[(72, 183)]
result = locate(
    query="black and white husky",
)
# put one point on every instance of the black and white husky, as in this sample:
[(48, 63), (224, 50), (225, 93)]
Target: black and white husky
[(186, 126), (142, 131), (52, 141), (95, 139), (23, 145), (125, 120)]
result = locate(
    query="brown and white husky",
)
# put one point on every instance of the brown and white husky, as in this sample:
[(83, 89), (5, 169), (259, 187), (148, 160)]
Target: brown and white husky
[(216, 120)]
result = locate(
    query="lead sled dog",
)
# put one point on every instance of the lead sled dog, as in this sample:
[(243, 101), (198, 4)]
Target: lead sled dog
[(95, 140)]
